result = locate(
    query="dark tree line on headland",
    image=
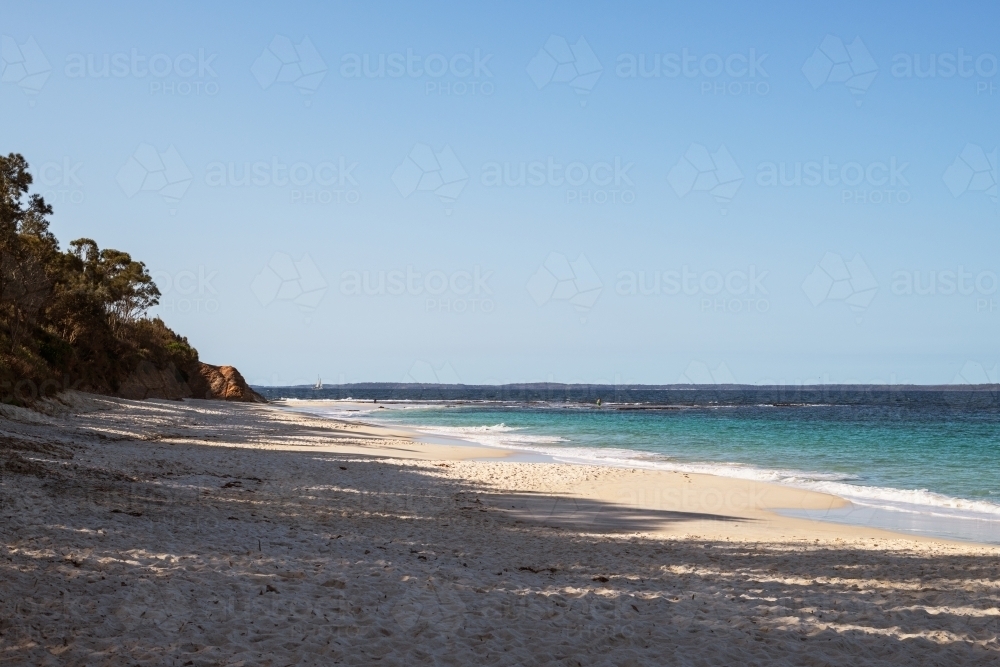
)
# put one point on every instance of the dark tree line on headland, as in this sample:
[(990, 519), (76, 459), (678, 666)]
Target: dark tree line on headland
[(71, 318)]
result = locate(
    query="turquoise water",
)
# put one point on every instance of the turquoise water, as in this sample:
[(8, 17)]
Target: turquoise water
[(891, 462)]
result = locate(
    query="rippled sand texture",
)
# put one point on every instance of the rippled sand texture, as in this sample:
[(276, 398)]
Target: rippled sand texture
[(213, 534)]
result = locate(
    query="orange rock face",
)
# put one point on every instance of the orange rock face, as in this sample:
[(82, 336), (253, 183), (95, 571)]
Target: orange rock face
[(222, 383)]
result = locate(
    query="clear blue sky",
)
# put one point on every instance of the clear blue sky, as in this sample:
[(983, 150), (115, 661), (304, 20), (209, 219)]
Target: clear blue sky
[(619, 192)]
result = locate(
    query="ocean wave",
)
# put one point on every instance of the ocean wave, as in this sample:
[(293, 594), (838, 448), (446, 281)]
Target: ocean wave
[(905, 500), (498, 435), (654, 461), (496, 428), (921, 501)]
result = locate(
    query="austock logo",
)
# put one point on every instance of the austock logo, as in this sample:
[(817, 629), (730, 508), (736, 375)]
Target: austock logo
[(974, 170), (456, 292), (27, 390), (24, 65), (698, 372), (284, 62), (559, 62), (835, 62), (946, 283), (284, 279), (603, 182), (733, 292), (735, 74), (947, 66), (470, 74), (701, 171), (423, 170), (558, 279), (328, 182), (148, 170), (61, 181), (433, 603), (975, 386), (833, 279), (182, 75), (424, 372), (974, 373), (187, 291), (878, 182), (592, 616)]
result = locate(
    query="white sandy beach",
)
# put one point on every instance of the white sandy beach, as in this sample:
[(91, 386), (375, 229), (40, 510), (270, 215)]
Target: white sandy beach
[(207, 533)]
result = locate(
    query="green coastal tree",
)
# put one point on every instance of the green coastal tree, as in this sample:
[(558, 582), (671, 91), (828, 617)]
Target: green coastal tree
[(25, 243), (122, 286), (82, 311)]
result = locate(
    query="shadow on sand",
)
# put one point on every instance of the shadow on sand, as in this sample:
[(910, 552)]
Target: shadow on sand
[(180, 554)]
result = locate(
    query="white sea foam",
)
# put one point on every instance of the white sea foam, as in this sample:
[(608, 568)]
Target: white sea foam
[(498, 435), (910, 500), (920, 501)]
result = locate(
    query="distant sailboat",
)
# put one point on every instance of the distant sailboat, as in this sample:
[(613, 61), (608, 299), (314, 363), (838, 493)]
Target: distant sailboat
[(319, 383)]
